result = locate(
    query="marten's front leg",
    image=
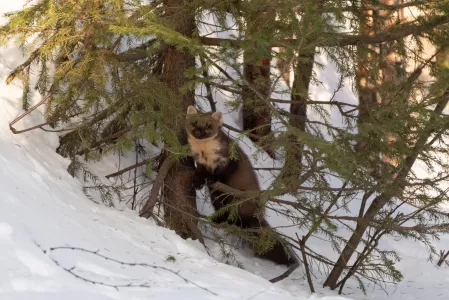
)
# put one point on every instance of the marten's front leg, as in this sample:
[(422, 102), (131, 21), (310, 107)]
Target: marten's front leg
[(223, 172), (200, 177)]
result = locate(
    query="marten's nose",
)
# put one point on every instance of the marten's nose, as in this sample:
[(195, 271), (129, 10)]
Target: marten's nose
[(199, 133)]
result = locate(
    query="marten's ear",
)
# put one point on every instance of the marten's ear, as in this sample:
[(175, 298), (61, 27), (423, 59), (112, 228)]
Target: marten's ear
[(191, 110), (218, 116)]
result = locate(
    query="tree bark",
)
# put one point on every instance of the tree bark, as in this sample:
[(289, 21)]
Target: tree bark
[(180, 211), (178, 191), (298, 107), (391, 77), (256, 73), (366, 85), (303, 69)]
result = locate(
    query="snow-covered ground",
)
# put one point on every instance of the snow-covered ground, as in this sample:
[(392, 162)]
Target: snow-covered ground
[(57, 244)]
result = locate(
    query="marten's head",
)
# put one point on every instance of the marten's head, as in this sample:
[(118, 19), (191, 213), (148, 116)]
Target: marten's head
[(203, 126)]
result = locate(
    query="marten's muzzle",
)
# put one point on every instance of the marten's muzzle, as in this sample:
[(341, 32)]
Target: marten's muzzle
[(199, 133)]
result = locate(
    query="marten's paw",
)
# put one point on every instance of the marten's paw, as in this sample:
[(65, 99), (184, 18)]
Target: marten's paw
[(198, 181)]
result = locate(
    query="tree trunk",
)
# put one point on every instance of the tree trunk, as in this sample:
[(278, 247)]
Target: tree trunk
[(369, 99), (391, 79), (395, 188), (298, 107), (366, 85), (256, 74), (387, 81), (303, 69), (180, 212), (178, 191)]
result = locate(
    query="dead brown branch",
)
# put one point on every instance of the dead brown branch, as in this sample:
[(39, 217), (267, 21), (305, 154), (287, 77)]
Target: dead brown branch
[(302, 244), (15, 131), (147, 210), (142, 163), (286, 273)]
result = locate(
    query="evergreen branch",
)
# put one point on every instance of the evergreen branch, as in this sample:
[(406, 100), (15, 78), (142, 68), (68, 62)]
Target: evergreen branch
[(399, 32), (424, 228), (38, 126), (391, 7), (415, 74), (267, 169), (102, 141), (128, 56), (227, 189), (224, 72), (23, 66), (225, 87), (250, 134), (353, 8), (370, 246), (373, 223), (337, 103), (135, 188), (354, 268), (133, 54)]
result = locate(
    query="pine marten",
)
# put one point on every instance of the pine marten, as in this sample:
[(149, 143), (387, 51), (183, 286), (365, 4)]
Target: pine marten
[(210, 148)]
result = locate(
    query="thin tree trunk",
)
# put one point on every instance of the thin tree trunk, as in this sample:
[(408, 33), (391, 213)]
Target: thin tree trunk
[(369, 100), (298, 108), (391, 64), (369, 82), (366, 84), (303, 69), (394, 189), (256, 72)]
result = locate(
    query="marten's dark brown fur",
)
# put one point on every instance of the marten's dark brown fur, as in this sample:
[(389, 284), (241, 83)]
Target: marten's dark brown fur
[(210, 147)]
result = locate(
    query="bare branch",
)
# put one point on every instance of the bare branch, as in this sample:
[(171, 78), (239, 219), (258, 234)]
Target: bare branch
[(142, 163), (147, 210)]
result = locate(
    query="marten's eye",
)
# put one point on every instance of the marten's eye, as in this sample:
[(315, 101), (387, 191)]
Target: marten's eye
[(208, 126), (194, 123)]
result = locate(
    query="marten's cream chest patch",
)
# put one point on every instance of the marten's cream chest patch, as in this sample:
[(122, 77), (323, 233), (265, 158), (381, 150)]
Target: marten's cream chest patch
[(207, 152)]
